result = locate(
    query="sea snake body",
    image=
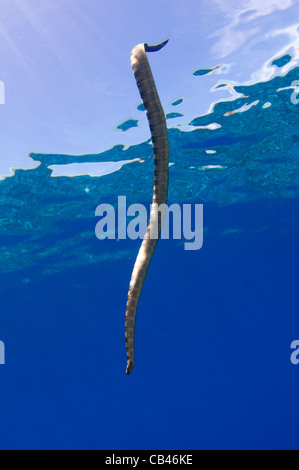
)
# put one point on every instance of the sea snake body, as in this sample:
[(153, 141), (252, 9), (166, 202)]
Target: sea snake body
[(157, 122)]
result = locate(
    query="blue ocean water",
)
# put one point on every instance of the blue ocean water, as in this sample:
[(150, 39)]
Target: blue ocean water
[(214, 326)]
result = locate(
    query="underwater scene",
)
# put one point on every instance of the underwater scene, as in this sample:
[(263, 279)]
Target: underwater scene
[(217, 328)]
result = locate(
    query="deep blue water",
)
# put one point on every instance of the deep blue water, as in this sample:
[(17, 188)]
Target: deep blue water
[(214, 326)]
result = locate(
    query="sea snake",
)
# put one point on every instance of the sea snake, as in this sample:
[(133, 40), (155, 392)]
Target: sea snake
[(157, 123)]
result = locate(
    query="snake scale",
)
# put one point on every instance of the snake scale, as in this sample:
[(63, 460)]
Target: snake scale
[(157, 123)]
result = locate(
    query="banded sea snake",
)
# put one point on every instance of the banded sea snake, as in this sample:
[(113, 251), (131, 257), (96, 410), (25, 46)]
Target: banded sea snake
[(157, 123)]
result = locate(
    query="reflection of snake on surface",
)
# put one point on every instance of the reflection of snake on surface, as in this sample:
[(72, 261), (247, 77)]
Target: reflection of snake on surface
[(157, 123)]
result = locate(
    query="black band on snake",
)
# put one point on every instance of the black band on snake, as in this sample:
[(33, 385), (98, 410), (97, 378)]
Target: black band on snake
[(157, 123)]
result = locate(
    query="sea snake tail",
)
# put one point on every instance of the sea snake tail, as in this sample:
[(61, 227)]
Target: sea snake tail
[(157, 123)]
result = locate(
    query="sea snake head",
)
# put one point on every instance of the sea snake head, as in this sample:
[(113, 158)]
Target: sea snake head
[(138, 52), (156, 47)]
